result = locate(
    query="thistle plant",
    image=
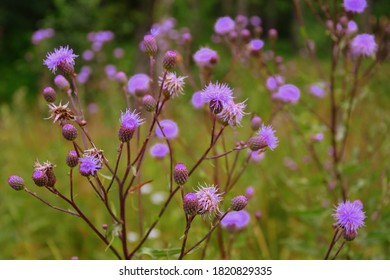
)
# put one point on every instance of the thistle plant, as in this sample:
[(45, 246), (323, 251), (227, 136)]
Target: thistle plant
[(202, 176)]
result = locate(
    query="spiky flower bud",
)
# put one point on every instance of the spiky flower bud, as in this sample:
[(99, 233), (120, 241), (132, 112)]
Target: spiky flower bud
[(169, 60), (125, 133), (16, 182), (149, 103), (40, 178), (180, 174), (72, 159), (51, 178), (190, 204), (255, 123), (239, 202), (350, 235), (49, 94), (150, 45), (256, 143), (69, 131), (216, 106)]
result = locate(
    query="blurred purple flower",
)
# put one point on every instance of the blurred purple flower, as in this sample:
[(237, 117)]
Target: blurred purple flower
[(159, 150), (352, 27), (139, 84), (197, 100), (317, 90), (274, 82), (205, 57), (250, 191), (170, 129), (255, 45), (255, 20), (235, 220), (118, 53), (287, 93), (224, 25), (290, 164), (355, 6), (110, 70), (318, 137), (88, 55), (61, 57), (257, 156), (41, 35), (364, 45), (84, 74)]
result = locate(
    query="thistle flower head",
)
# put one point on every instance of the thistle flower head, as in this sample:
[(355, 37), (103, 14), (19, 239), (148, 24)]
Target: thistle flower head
[(206, 57), (40, 178), (217, 95), (232, 113), (208, 199), (239, 202), (255, 46), (350, 217), (355, 6), (72, 159), (197, 100), (190, 204), (130, 119), (150, 45), (61, 59), (267, 133), (62, 83), (317, 90), (287, 93), (180, 174), (224, 25), (89, 165), (49, 94), (364, 45), (169, 60), (173, 84), (274, 82), (60, 113), (235, 220)]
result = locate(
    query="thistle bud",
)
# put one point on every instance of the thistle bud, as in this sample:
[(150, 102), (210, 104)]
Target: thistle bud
[(16, 182), (256, 143), (49, 94), (255, 123), (190, 204), (40, 178), (149, 103), (180, 174), (169, 60), (69, 132), (125, 133), (150, 45), (51, 178), (72, 159), (239, 202), (62, 83)]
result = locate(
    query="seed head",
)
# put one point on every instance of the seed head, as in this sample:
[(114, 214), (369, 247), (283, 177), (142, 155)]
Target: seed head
[(60, 113), (69, 131), (16, 182), (239, 202), (191, 204), (180, 174)]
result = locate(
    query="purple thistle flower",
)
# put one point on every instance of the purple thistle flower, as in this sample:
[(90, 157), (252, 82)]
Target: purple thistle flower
[(364, 45), (255, 46), (139, 84), (62, 59), (84, 74), (197, 100), (190, 204), (159, 150), (235, 220), (110, 70), (88, 55), (208, 198), (255, 20), (267, 133), (352, 27), (169, 128), (257, 156), (89, 165), (355, 6), (249, 192), (41, 35), (16, 182), (217, 95), (205, 57), (118, 53), (287, 93), (317, 137), (131, 120), (349, 216), (232, 113), (224, 25)]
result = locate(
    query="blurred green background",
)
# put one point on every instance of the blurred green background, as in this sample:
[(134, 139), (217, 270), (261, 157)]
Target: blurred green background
[(296, 206)]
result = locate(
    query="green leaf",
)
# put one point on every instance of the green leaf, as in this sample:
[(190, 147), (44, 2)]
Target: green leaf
[(160, 253)]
